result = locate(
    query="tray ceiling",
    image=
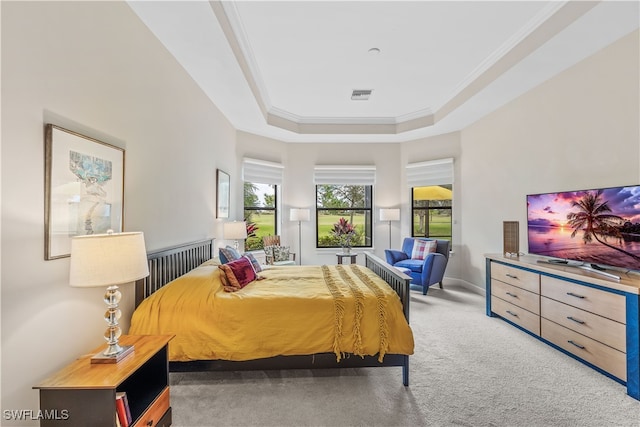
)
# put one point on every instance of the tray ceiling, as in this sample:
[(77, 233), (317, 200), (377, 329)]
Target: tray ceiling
[(288, 70)]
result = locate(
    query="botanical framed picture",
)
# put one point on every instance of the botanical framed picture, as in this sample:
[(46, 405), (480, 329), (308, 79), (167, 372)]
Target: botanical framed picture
[(223, 185), (84, 188)]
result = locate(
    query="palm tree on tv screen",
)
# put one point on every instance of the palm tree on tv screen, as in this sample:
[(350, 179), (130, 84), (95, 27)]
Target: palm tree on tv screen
[(595, 221)]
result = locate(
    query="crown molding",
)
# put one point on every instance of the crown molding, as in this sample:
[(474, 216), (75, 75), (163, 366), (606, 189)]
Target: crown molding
[(227, 15), (547, 23)]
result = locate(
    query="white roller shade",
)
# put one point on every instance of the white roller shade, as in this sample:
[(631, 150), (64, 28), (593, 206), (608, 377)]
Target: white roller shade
[(344, 175), (261, 171), (433, 172)]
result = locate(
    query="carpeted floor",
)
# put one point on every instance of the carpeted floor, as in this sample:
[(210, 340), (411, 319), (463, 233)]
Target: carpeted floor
[(467, 370)]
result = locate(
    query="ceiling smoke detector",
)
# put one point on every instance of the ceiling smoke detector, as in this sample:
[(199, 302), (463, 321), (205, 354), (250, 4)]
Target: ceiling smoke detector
[(361, 94)]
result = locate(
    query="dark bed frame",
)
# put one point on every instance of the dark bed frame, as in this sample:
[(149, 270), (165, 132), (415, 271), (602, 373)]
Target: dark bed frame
[(168, 264)]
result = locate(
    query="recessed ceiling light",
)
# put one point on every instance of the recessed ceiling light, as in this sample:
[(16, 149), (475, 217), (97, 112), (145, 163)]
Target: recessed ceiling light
[(374, 51)]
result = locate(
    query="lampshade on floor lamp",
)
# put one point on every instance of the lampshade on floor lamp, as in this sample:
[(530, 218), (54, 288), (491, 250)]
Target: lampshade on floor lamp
[(236, 230), (297, 214), (110, 260), (390, 215)]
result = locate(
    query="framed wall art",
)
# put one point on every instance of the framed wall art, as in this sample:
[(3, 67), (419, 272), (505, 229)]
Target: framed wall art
[(84, 189), (223, 185)]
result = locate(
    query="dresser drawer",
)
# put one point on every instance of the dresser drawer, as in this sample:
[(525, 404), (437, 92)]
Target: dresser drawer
[(517, 315), (528, 300), (597, 327), (155, 415), (516, 277), (606, 304), (594, 352)]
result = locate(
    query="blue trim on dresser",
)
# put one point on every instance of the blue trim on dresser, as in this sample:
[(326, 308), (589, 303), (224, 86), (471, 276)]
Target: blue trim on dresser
[(632, 326), (488, 290), (633, 346)]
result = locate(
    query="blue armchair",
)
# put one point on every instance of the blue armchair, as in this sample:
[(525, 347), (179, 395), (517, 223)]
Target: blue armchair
[(424, 272)]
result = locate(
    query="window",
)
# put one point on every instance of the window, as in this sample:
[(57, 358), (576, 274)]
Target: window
[(351, 202), (261, 181), (431, 211), (260, 213), (431, 186)]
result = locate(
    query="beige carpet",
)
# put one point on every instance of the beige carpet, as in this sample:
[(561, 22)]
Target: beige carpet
[(468, 370)]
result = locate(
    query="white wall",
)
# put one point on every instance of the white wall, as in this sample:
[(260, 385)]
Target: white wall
[(576, 131), (92, 67)]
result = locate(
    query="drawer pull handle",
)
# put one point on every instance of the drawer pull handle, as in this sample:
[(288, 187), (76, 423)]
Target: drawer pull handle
[(511, 276), (581, 347), (575, 295), (576, 320), (150, 423), (512, 295), (512, 313)]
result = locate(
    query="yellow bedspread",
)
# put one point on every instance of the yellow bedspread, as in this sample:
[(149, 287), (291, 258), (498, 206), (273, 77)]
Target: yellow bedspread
[(295, 310)]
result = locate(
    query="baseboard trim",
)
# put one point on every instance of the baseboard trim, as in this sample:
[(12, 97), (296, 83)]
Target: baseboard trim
[(468, 285)]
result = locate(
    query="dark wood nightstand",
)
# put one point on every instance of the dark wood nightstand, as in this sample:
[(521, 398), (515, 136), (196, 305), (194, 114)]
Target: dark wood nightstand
[(84, 394), (350, 255)]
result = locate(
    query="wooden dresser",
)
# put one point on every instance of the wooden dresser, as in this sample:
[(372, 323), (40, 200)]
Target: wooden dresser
[(586, 316), (84, 394)]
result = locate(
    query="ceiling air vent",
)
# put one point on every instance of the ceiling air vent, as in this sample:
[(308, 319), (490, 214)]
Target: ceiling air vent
[(361, 94)]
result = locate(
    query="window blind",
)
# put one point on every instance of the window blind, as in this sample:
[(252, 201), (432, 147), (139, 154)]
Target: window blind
[(261, 171), (433, 172), (344, 175)]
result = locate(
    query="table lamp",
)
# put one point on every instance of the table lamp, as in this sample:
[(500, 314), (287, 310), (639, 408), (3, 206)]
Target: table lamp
[(236, 230), (109, 260)]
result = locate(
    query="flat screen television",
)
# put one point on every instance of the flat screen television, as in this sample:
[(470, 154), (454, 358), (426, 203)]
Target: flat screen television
[(597, 228)]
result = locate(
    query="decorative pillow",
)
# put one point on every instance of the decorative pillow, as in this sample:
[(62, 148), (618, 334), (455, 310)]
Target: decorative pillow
[(238, 273), (268, 252), (223, 279), (394, 256), (254, 262), (422, 248), (280, 253), (228, 254)]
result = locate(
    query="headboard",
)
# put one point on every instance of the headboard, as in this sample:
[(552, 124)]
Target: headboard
[(168, 264)]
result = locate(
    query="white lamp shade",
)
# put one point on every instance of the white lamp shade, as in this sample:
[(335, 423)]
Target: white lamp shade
[(299, 214), (235, 230), (107, 259), (389, 214)]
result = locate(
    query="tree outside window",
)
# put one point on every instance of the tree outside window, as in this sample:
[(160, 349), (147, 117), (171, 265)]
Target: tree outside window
[(431, 211), (260, 213), (351, 202)]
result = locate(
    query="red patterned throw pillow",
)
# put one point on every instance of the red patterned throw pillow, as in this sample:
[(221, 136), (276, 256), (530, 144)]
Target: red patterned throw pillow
[(238, 274), (422, 248)]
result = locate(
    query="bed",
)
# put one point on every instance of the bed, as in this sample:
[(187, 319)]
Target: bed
[(338, 316)]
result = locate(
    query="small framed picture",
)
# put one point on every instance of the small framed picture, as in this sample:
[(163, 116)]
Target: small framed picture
[(84, 189), (223, 187)]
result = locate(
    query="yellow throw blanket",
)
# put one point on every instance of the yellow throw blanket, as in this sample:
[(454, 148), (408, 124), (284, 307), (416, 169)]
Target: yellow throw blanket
[(295, 310)]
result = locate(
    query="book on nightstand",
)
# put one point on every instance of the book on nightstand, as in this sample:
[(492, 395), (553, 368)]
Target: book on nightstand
[(122, 408)]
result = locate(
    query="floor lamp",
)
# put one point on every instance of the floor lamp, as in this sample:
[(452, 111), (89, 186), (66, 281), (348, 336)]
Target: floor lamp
[(390, 215), (299, 215)]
